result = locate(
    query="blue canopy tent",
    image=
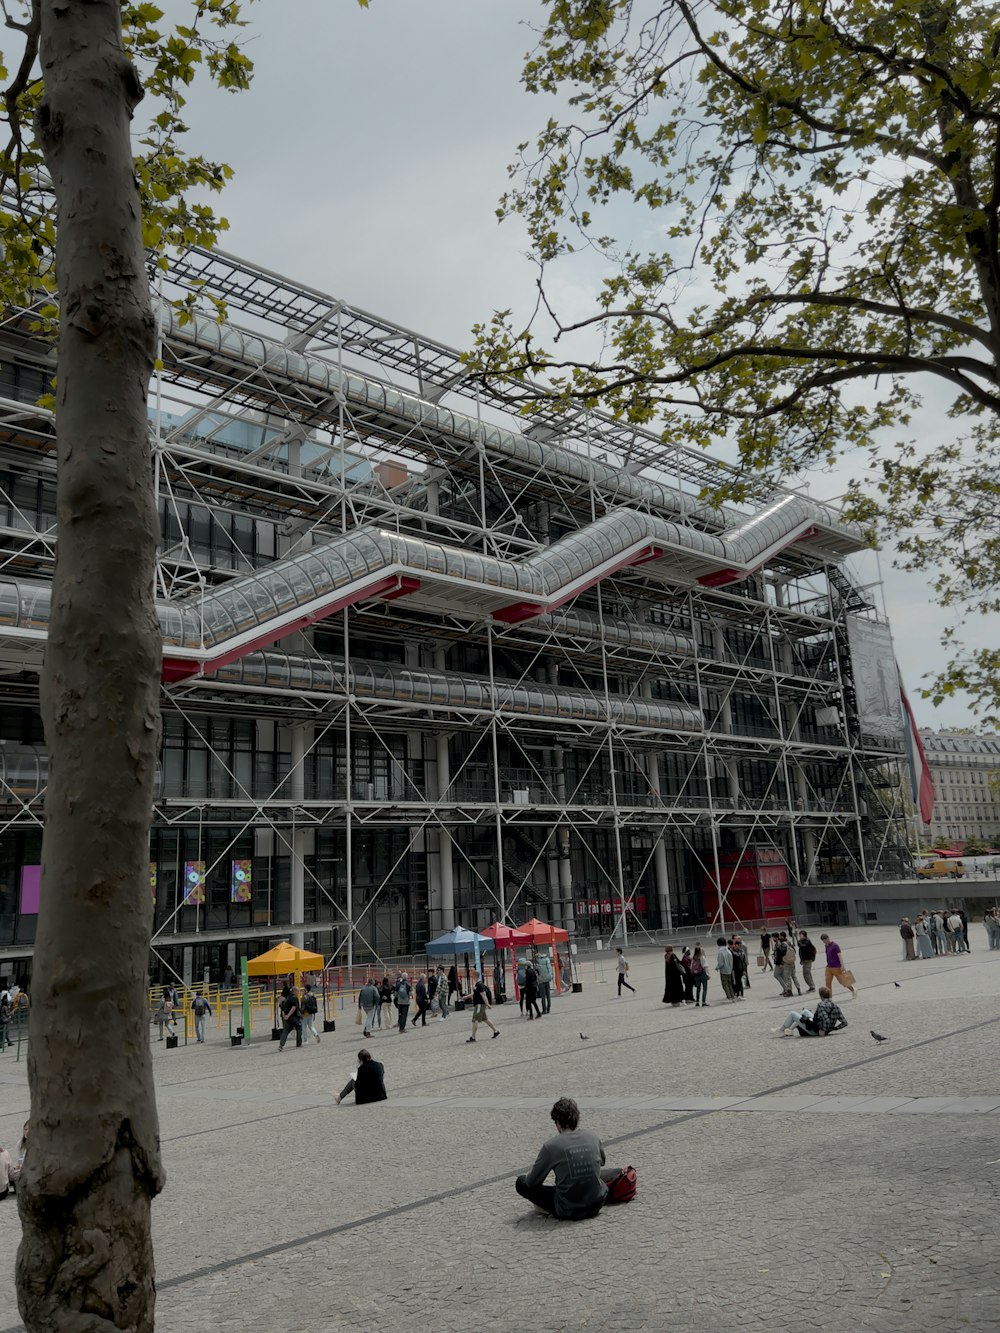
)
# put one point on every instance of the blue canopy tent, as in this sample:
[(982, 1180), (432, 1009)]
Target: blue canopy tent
[(459, 940)]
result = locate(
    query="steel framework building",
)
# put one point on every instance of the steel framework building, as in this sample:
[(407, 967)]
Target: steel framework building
[(426, 662)]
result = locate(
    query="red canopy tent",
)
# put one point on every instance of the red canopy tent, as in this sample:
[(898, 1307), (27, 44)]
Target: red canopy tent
[(540, 932), (507, 937)]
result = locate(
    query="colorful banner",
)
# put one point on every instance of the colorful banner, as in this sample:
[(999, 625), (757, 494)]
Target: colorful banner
[(152, 881), (240, 881), (31, 887), (194, 883)]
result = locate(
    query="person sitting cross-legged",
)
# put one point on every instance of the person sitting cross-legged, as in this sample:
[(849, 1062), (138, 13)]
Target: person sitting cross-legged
[(577, 1158)]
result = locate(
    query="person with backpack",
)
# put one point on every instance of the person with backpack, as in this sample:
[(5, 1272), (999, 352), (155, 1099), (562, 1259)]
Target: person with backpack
[(403, 992), (807, 956), (309, 1008), (576, 1157), (202, 1009), (481, 1000)]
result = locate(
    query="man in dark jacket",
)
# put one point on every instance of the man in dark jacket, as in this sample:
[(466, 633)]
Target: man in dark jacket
[(807, 956), (368, 1084), (423, 1003), (291, 1018), (531, 991)]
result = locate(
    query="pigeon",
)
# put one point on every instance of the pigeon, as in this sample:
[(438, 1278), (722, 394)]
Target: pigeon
[(897, 985), (583, 1038), (878, 1036)]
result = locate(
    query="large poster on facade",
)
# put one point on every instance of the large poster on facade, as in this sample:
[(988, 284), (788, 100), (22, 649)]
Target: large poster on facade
[(240, 881), (876, 686), (194, 883)]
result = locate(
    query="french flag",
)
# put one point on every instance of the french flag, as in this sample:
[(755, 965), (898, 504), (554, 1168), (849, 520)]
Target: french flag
[(921, 786)]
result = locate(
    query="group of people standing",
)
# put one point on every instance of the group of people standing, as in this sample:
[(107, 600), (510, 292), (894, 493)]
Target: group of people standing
[(687, 972), (430, 993), (942, 931)]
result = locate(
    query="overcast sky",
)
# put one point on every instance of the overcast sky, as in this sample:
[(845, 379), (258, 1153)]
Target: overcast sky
[(370, 154)]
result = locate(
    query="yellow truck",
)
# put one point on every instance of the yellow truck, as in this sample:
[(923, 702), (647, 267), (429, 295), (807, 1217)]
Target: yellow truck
[(939, 868)]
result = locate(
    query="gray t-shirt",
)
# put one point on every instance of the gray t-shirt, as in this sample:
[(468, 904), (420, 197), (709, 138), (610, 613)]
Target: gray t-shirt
[(576, 1157)]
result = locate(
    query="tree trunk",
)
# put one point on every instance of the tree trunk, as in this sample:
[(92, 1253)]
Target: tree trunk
[(85, 1263)]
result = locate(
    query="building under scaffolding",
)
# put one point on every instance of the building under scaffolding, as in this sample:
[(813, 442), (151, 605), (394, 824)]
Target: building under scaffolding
[(426, 666)]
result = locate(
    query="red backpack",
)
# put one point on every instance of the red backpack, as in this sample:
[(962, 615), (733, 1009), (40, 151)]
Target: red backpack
[(623, 1187)]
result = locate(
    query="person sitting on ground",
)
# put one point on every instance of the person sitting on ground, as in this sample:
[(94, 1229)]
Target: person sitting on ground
[(827, 1017), (368, 1084), (577, 1158)]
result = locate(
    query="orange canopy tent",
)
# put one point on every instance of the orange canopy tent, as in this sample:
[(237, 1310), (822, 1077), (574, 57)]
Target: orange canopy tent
[(540, 932)]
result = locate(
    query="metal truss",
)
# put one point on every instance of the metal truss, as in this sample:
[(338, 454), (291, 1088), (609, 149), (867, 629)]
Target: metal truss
[(498, 809)]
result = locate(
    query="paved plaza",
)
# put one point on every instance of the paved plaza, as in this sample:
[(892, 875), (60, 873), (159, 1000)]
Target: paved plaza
[(783, 1184)]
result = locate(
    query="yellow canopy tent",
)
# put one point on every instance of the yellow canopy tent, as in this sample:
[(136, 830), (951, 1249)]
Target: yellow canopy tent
[(283, 959)]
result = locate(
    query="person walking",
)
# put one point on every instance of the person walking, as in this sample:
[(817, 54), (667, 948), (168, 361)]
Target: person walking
[(531, 991), (699, 977), (791, 976), (453, 987), (423, 1002), (403, 992), (369, 1003), (835, 967), (991, 921), (577, 1158), (673, 978), (546, 976), (779, 948), (522, 968), (724, 967), (291, 1018), (481, 1001), (164, 1016), (368, 1084), (807, 956), (443, 994), (202, 1009), (765, 948), (906, 931), (310, 1008), (623, 974), (385, 994)]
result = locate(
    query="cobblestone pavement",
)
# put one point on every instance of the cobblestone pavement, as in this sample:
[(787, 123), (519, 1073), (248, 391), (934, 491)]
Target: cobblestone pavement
[(783, 1184)]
